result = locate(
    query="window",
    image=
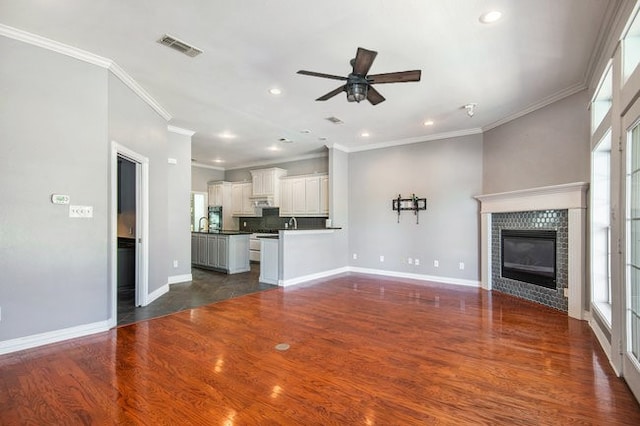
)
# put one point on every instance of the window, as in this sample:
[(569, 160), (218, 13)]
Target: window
[(633, 238), (600, 227)]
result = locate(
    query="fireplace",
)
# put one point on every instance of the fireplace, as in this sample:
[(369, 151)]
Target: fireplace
[(529, 256), (561, 208)]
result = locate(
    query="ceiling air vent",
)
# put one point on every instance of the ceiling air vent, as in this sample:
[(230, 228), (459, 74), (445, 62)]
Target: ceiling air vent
[(179, 45), (335, 120)]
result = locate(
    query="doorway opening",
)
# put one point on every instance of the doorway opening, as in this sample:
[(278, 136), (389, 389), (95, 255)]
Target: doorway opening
[(129, 231)]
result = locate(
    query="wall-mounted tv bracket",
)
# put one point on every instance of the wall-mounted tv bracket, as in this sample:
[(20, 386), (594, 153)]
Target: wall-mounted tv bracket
[(414, 203)]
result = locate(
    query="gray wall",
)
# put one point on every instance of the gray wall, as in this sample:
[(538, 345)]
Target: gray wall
[(58, 116), (293, 168), (201, 175), (179, 191), (448, 173), (53, 131), (549, 146), (135, 125)]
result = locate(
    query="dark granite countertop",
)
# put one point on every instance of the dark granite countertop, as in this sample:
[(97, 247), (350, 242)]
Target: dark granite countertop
[(223, 232)]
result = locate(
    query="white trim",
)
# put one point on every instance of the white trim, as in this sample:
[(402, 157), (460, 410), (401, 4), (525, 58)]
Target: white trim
[(564, 93), (157, 293), (396, 274), (175, 279), (88, 57), (138, 90), (420, 277), (142, 227), (54, 46), (35, 340), (417, 139), (272, 162), (338, 147), (305, 278), (565, 196), (180, 130), (206, 166)]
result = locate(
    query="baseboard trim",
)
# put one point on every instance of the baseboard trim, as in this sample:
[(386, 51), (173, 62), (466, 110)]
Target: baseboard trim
[(35, 340), (305, 278), (157, 293), (419, 277), (175, 279)]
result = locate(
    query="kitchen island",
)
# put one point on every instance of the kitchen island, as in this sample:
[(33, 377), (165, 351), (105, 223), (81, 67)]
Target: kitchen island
[(224, 251)]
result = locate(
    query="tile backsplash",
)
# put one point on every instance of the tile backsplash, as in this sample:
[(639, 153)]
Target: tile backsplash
[(253, 224)]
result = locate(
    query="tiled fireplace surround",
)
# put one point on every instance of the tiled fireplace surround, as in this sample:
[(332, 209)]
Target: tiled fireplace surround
[(559, 207)]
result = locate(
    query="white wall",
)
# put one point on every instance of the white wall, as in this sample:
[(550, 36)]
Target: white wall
[(448, 173), (549, 146)]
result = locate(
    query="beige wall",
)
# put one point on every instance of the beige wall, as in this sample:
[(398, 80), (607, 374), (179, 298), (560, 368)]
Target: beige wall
[(549, 146)]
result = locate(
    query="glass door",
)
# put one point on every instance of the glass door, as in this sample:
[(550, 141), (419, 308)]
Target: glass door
[(631, 356)]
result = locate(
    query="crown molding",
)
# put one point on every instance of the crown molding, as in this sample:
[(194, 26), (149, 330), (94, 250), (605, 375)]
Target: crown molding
[(338, 147), (418, 139), (206, 166), (85, 56), (279, 161), (180, 130), (564, 93)]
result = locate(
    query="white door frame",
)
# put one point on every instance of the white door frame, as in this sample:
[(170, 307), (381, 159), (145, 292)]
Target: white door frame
[(142, 228), (630, 366)]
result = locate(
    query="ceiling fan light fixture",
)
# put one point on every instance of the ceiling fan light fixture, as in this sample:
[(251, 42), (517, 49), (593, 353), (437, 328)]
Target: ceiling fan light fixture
[(356, 92)]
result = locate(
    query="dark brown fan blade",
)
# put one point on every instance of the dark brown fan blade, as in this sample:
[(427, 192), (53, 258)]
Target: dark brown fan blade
[(395, 77), (374, 96), (332, 93), (363, 61), (319, 74)]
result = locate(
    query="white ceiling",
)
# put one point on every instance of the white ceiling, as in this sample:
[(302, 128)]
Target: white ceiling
[(540, 50)]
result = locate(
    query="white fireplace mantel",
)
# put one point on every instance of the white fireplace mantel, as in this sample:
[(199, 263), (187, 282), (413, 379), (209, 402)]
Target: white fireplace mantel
[(570, 196)]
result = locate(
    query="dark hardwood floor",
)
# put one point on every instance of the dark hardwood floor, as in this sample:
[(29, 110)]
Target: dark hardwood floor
[(363, 350)]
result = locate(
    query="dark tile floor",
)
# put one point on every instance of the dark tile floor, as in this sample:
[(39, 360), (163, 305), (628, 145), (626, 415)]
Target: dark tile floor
[(206, 287)]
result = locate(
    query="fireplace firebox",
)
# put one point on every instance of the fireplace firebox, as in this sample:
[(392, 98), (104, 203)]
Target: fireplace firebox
[(529, 256)]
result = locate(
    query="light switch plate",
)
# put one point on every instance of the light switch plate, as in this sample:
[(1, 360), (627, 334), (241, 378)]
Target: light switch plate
[(81, 211)]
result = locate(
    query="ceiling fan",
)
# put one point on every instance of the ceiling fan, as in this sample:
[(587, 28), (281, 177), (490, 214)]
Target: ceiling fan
[(358, 83)]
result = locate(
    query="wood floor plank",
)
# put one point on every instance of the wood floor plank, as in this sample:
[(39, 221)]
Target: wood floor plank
[(363, 350)]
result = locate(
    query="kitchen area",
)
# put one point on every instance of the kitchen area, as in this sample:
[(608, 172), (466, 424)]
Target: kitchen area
[(244, 221)]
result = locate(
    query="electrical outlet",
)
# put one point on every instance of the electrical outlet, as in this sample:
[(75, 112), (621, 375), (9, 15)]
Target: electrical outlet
[(175, 263), (244, 224), (410, 261), (436, 263), (381, 258), (461, 265), (416, 262), (355, 256)]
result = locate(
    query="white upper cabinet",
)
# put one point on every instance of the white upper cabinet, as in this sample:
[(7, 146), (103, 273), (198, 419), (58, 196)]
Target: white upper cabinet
[(305, 196), (266, 182), (241, 199)]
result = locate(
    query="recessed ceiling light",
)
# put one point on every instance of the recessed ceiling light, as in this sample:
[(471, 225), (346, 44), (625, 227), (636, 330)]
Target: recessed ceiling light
[(364, 134), (490, 17), (275, 91), (305, 131), (226, 135), (322, 138), (428, 123), (217, 160), (285, 140), (274, 148)]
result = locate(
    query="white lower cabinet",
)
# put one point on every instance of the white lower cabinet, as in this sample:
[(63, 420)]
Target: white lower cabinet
[(226, 252)]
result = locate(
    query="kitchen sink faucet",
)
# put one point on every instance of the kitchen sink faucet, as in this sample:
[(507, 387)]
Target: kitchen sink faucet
[(295, 222)]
